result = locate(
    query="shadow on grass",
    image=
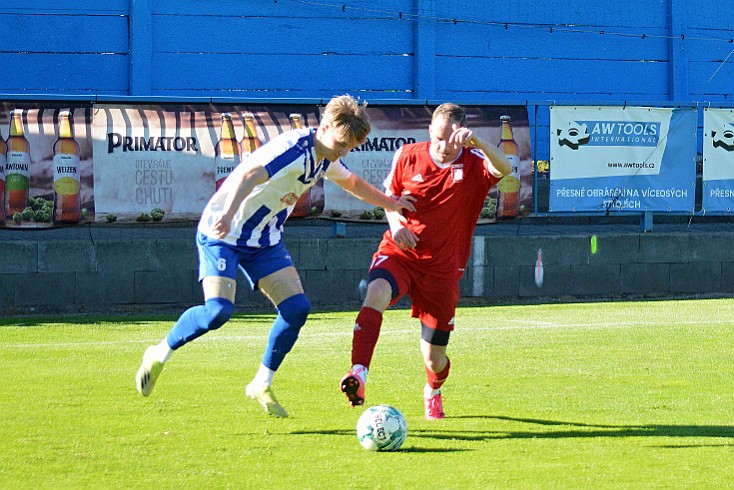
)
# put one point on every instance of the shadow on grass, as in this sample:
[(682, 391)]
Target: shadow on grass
[(565, 429), (120, 319), (691, 446), (430, 450), (351, 433)]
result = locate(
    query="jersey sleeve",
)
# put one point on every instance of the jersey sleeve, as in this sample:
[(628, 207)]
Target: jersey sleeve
[(485, 163), (392, 181), (337, 171)]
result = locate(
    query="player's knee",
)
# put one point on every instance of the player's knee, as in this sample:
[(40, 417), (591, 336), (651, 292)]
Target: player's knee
[(379, 294), (295, 310), (218, 312), (382, 282), (292, 315), (436, 363)]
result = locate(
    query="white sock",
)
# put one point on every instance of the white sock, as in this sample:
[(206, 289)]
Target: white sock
[(264, 376), (360, 371), (163, 351), (429, 392)]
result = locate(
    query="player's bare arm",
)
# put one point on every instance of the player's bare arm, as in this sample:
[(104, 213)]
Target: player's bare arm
[(496, 162), (401, 234), (403, 237), (363, 190), (250, 178)]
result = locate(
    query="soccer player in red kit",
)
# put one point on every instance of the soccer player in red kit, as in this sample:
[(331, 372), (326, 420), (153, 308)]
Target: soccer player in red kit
[(424, 253)]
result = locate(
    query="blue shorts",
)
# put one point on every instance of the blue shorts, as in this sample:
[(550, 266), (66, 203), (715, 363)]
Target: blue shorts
[(220, 259)]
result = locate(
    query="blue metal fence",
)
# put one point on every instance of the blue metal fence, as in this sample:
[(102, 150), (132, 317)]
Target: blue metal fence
[(636, 52)]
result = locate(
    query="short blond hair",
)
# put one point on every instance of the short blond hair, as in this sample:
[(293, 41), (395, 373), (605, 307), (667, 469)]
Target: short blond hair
[(349, 118), (452, 112)]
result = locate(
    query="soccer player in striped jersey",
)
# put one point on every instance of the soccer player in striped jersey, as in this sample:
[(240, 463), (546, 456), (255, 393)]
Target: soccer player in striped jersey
[(241, 228), (424, 253)]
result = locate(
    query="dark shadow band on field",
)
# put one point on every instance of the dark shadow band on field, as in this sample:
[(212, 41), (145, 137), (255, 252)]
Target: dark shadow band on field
[(578, 429)]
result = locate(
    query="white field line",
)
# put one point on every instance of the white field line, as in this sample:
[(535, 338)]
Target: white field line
[(305, 335)]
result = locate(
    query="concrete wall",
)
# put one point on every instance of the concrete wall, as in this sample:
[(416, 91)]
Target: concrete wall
[(89, 273), (630, 264)]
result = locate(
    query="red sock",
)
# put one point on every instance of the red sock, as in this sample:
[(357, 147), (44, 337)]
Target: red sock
[(366, 333), (436, 380)]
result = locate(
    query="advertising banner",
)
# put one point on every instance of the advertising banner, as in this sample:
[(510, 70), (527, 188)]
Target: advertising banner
[(392, 127), (45, 165), (718, 160), (622, 159), (155, 161), (66, 165)]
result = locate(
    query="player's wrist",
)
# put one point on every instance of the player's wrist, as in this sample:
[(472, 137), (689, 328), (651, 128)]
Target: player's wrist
[(395, 228), (394, 204)]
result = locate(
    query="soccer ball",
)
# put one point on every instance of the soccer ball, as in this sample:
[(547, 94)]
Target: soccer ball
[(382, 428)]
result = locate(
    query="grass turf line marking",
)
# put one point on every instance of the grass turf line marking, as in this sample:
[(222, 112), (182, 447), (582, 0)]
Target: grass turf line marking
[(387, 331)]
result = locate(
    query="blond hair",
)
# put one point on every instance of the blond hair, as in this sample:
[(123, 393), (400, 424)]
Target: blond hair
[(452, 112), (348, 118)]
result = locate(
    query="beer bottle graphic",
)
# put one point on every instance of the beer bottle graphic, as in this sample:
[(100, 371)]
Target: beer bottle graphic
[(67, 181), (250, 142), (508, 188), (3, 150), (227, 151), (296, 121), (17, 167)]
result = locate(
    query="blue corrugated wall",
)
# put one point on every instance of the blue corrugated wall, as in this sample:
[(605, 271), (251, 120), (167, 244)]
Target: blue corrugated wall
[(480, 51)]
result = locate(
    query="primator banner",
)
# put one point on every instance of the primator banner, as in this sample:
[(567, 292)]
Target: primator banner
[(718, 160), (112, 162), (622, 159), (171, 159), (393, 127)]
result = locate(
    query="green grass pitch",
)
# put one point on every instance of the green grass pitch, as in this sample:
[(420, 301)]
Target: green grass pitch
[(589, 395)]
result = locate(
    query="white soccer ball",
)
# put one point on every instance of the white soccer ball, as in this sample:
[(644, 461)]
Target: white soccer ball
[(382, 428)]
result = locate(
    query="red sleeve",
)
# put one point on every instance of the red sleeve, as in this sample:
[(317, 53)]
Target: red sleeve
[(394, 181)]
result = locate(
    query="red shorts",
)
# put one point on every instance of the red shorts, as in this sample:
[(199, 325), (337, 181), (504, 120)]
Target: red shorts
[(434, 297)]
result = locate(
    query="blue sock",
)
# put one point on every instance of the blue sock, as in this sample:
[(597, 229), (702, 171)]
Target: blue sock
[(198, 320), (292, 314)]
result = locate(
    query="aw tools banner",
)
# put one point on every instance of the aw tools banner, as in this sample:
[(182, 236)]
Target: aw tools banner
[(718, 160), (622, 159)]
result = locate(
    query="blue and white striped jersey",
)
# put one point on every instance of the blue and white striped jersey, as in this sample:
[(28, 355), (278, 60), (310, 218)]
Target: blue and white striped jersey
[(290, 160)]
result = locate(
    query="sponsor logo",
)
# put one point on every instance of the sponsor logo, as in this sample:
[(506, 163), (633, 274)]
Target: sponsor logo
[(383, 144), (609, 133), (573, 136), (116, 141), (723, 137), (289, 199)]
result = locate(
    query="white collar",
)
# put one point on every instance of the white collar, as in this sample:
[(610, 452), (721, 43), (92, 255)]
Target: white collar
[(443, 165)]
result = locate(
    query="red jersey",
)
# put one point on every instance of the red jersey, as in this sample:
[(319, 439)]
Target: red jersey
[(449, 199)]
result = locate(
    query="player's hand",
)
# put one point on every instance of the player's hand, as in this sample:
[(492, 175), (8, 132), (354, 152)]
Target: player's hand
[(461, 136), (405, 202), (405, 238), (220, 227)]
